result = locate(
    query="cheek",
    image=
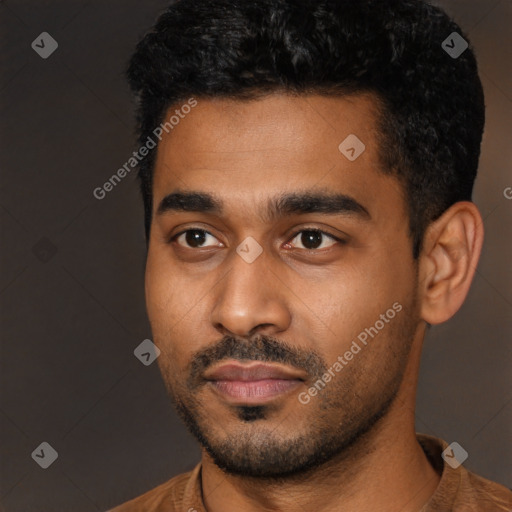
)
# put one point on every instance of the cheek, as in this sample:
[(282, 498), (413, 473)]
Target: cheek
[(167, 292), (354, 298), (165, 301), (164, 314), (160, 294), (175, 306)]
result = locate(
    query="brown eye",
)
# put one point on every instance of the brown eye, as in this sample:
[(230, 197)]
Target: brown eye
[(312, 239), (194, 238)]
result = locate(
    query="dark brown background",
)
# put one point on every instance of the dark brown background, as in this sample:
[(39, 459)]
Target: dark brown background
[(70, 324)]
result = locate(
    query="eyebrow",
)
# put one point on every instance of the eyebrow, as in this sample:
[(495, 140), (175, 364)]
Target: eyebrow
[(280, 206)]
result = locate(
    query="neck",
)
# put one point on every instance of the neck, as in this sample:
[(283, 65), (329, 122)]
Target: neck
[(386, 470)]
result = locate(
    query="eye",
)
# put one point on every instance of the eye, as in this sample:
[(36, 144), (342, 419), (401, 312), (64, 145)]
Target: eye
[(312, 239), (194, 238)]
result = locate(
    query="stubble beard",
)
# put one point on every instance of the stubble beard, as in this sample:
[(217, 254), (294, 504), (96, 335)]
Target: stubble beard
[(348, 409)]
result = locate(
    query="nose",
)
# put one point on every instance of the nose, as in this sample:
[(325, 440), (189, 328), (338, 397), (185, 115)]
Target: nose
[(250, 299)]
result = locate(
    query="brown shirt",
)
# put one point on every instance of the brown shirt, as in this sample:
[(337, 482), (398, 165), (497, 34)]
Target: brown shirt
[(458, 491)]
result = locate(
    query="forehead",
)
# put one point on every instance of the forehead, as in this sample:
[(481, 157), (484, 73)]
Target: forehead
[(277, 144)]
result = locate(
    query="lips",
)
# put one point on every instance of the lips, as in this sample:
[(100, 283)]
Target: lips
[(252, 372), (254, 382)]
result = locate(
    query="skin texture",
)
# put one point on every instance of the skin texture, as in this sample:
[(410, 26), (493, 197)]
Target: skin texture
[(300, 308)]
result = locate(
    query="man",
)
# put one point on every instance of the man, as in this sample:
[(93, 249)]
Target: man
[(307, 186)]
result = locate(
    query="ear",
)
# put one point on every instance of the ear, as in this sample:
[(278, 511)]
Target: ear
[(451, 249)]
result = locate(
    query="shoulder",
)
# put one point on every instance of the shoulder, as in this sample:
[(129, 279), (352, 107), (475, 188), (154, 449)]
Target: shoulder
[(461, 490), (482, 494)]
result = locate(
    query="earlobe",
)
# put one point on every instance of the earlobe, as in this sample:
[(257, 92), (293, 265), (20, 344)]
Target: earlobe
[(452, 246)]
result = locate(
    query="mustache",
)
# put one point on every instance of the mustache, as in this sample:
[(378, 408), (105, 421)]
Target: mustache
[(258, 348)]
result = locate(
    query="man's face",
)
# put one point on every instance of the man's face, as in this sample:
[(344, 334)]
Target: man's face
[(254, 297)]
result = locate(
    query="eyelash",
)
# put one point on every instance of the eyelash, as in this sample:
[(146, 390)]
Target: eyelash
[(293, 236)]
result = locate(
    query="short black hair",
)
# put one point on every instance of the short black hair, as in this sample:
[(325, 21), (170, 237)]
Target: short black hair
[(431, 104)]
